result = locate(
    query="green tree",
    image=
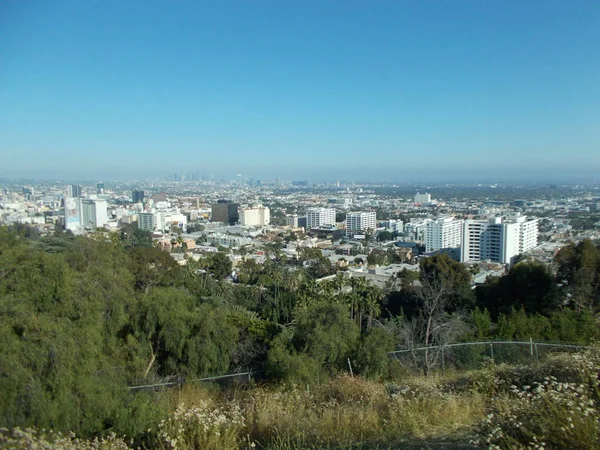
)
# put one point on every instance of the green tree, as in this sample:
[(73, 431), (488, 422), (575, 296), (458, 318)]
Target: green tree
[(151, 267), (377, 257), (385, 236), (441, 272), (57, 328), (578, 272), (132, 236), (325, 332), (482, 324), (220, 265), (288, 365), (180, 337), (528, 286), (372, 358)]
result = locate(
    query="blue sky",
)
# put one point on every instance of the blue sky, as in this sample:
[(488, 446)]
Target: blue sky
[(391, 90)]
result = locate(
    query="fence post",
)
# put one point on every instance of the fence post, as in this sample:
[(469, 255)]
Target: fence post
[(492, 350), (537, 355), (531, 346), (350, 366)]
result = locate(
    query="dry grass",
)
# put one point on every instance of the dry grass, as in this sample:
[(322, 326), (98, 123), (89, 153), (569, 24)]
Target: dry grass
[(344, 412), (348, 411)]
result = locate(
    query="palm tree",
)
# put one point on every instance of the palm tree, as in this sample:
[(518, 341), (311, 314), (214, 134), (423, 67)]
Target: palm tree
[(292, 280), (307, 292), (190, 270), (340, 282), (277, 278), (372, 305), (353, 301), (362, 290), (204, 264), (255, 292), (359, 284), (224, 289)]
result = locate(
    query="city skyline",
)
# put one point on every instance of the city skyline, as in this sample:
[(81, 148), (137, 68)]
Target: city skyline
[(303, 90)]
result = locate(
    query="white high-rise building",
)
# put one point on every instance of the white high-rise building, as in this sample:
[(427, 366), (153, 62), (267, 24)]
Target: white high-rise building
[(360, 222), (498, 240), (528, 231), (443, 233), (257, 216), (423, 199), (101, 212), (94, 213), (318, 217), (482, 240)]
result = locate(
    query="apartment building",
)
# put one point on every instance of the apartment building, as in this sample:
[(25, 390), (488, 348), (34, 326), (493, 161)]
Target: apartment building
[(443, 233), (146, 221), (360, 222), (257, 216), (318, 217), (498, 240)]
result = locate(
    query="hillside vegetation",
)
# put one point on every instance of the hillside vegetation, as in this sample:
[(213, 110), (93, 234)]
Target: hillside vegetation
[(82, 318)]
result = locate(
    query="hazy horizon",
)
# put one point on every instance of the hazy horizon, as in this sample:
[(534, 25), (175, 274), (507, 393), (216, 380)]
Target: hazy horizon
[(521, 178)]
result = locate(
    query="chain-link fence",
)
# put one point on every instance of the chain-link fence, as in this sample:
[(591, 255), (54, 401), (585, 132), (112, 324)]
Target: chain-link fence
[(461, 356), (221, 380), (471, 355)]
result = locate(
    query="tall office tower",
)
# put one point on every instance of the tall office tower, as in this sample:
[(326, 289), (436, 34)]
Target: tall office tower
[(423, 199), (497, 240), (93, 213), (146, 221), (137, 196), (318, 217), (73, 190), (443, 233), (292, 220), (100, 188), (28, 193), (360, 222), (257, 216), (225, 212), (88, 214)]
